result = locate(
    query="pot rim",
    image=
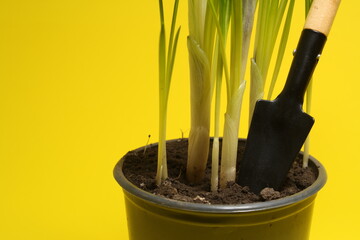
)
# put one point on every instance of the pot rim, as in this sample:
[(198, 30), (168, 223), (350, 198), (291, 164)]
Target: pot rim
[(221, 208)]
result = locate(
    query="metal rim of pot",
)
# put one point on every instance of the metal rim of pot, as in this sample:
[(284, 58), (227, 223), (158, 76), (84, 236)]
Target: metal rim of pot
[(222, 208)]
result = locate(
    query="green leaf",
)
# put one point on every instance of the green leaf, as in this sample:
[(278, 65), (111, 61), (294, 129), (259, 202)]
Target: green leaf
[(270, 17), (282, 46), (171, 60), (166, 64), (256, 88), (308, 102)]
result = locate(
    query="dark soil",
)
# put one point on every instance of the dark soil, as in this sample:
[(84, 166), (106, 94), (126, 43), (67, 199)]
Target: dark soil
[(140, 169)]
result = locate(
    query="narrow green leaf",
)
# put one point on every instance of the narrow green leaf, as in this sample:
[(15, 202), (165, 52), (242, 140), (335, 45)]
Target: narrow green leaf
[(308, 101), (219, 61), (172, 59), (282, 46), (209, 30), (236, 47), (270, 17), (222, 30), (172, 31), (256, 86), (262, 37), (161, 168), (274, 26), (248, 7), (166, 64), (162, 60), (307, 6), (161, 11)]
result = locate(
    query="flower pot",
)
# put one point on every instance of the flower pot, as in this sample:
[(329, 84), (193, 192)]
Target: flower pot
[(152, 217)]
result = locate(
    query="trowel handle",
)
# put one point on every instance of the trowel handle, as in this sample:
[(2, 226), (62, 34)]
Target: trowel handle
[(321, 15), (308, 51)]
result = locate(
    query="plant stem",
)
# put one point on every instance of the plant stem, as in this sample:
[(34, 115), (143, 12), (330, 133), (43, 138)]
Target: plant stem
[(308, 111), (166, 65), (241, 27), (200, 47), (217, 73), (222, 23), (308, 102), (161, 167), (162, 171)]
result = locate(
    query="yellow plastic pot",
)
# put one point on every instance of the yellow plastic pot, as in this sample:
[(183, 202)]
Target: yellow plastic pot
[(152, 217)]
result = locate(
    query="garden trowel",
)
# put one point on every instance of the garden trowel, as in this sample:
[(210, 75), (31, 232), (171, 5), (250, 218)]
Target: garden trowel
[(279, 128)]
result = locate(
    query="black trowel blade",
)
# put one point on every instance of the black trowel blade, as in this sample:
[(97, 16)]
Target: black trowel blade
[(276, 135)]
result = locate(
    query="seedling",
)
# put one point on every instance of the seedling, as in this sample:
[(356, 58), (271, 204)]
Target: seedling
[(166, 65), (210, 23)]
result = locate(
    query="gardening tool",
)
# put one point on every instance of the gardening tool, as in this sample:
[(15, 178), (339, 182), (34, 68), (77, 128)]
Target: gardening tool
[(279, 128)]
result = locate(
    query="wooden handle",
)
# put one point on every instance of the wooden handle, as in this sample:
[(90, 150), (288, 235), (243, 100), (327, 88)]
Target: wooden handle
[(321, 15)]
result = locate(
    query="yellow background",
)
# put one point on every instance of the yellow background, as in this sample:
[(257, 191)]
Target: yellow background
[(78, 89)]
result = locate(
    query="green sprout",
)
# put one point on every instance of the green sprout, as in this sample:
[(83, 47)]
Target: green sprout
[(166, 65)]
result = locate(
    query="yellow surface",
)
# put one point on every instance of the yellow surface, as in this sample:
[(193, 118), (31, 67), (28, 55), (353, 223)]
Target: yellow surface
[(78, 89)]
